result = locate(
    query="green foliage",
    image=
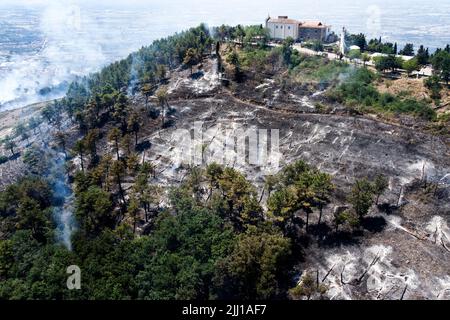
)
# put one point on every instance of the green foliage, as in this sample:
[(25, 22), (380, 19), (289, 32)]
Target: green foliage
[(301, 188), (191, 58), (9, 144), (26, 205), (181, 254), (354, 54), (345, 217), (408, 50), (389, 62), (410, 65), (433, 84), (315, 45), (422, 56), (256, 34), (358, 89), (359, 40), (254, 267), (94, 211), (376, 45), (320, 69), (361, 197), (308, 287), (441, 65)]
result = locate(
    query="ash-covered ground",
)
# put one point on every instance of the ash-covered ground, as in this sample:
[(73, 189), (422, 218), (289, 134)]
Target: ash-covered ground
[(403, 251)]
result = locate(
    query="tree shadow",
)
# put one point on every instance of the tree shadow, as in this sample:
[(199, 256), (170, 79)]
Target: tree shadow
[(15, 156), (339, 238), (171, 111), (143, 145), (387, 208), (319, 229), (154, 113), (197, 75), (168, 124), (373, 224)]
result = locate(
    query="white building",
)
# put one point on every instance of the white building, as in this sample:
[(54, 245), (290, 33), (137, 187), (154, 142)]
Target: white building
[(282, 28)]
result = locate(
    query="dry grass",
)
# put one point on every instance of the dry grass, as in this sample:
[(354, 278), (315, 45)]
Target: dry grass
[(414, 88)]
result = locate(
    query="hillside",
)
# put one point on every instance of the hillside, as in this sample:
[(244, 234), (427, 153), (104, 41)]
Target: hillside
[(356, 195)]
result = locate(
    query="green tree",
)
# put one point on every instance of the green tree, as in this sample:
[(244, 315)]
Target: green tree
[(361, 197), (94, 211), (308, 287), (422, 56), (162, 97), (134, 125), (441, 65), (410, 66), (408, 50), (80, 148), (365, 58), (233, 60), (380, 184), (191, 58), (255, 267), (133, 211), (9, 144), (114, 136), (61, 140), (389, 62)]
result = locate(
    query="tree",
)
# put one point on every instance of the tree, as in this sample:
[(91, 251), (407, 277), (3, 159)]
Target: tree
[(379, 186), (191, 58), (433, 84), (301, 188), (233, 59), (94, 210), (117, 172), (308, 287), (441, 65), (147, 90), (9, 144), (286, 49), (255, 267), (61, 140), (162, 95), (389, 62), (408, 50), (90, 141), (322, 187), (342, 217), (134, 125), (80, 148), (31, 216), (423, 57), (410, 66), (48, 113), (21, 131), (186, 247), (114, 136), (34, 123), (359, 40), (256, 34), (365, 58), (160, 72), (121, 110), (361, 197), (133, 211), (354, 54), (239, 33)]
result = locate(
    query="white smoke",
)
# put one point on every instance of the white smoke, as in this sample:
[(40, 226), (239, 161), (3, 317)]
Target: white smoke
[(70, 48)]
